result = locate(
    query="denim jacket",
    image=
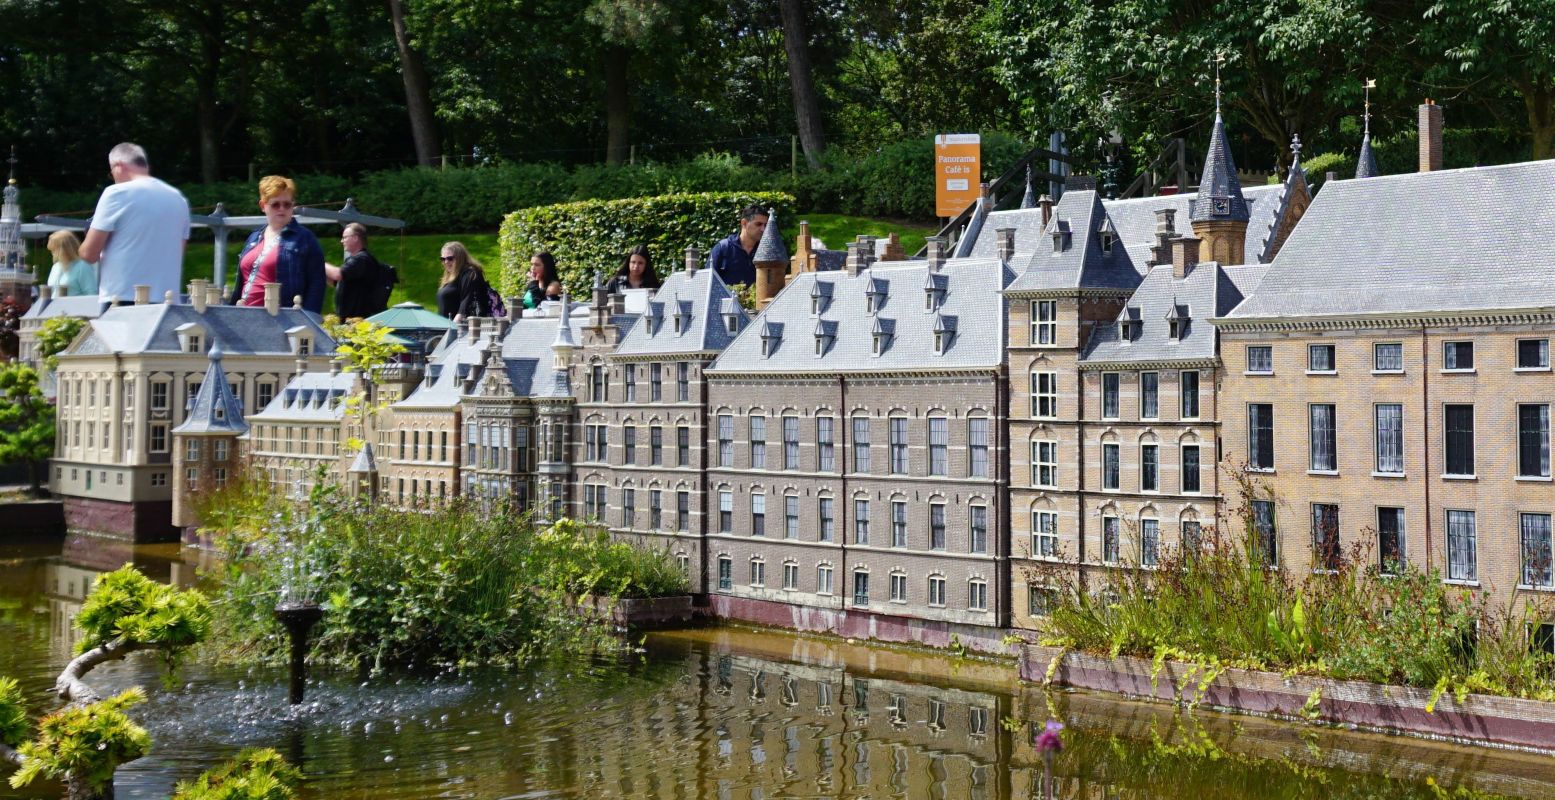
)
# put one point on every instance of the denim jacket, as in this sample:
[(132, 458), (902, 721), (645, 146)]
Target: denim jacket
[(299, 267)]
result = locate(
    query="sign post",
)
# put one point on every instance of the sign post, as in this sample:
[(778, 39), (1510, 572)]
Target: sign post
[(958, 170)]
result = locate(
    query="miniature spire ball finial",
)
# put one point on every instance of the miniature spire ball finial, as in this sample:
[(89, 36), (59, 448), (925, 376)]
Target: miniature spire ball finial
[(1371, 83), (1220, 59)]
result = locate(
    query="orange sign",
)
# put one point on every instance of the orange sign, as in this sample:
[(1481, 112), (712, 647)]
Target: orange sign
[(958, 169)]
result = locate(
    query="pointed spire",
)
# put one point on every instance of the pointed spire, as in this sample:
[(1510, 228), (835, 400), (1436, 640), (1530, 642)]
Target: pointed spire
[(1029, 199), (1366, 162), (365, 462), (215, 409), (563, 327), (1220, 192), (1296, 170), (770, 249)]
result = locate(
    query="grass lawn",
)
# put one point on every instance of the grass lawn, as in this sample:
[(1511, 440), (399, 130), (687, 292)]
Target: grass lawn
[(416, 255)]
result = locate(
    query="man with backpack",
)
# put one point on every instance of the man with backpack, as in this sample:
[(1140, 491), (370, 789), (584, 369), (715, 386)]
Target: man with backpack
[(363, 283)]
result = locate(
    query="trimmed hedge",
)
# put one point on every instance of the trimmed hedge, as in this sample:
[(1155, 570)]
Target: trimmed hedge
[(593, 235), (895, 181)]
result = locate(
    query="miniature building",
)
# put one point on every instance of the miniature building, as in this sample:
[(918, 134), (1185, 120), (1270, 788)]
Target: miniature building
[(854, 451), (1390, 378), (133, 375), (15, 276), (414, 324), (205, 444)]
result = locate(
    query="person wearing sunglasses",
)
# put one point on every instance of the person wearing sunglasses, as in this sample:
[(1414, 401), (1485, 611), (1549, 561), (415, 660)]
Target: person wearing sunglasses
[(281, 252), (463, 292)]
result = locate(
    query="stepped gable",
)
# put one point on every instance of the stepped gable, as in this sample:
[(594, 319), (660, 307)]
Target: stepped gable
[(653, 333), (1449, 241), (839, 315), (215, 409)]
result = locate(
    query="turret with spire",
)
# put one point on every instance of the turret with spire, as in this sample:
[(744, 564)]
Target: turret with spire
[(205, 445), (771, 262), (1366, 163), (13, 251), (1219, 213)]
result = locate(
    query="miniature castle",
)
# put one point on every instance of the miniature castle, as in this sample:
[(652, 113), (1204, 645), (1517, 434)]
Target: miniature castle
[(905, 448)]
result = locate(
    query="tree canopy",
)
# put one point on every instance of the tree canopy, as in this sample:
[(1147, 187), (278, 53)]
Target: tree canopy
[(342, 86)]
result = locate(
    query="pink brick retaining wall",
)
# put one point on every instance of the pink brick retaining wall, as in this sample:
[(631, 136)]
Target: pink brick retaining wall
[(1479, 719)]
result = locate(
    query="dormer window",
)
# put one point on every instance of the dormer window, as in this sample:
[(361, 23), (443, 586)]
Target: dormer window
[(1177, 322), (944, 333), (933, 292), (731, 314), (1129, 325), (882, 331), (683, 317), (301, 340), (771, 336), (1106, 235), (304, 346), (1061, 235), (874, 298), (191, 337), (825, 335), (1106, 243), (820, 297)]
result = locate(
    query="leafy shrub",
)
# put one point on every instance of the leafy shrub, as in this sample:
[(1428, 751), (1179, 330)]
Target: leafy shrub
[(84, 743), (456, 584), (254, 774), (894, 181), (1219, 605), (56, 334), (593, 235)]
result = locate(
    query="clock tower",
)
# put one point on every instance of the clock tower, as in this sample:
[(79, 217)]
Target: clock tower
[(1219, 213)]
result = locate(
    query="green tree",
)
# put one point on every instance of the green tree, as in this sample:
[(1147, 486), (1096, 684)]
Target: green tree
[(55, 335), (1485, 44), (26, 420)]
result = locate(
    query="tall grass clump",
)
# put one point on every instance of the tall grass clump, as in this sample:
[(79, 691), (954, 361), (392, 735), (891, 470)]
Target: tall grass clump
[(450, 585), (1223, 603)]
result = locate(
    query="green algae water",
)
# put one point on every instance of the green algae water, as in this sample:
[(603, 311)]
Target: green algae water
[(721, 712)]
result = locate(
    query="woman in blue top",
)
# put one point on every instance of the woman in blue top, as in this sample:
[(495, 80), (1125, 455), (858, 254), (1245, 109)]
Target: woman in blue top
[(70, 270), (281, 252)]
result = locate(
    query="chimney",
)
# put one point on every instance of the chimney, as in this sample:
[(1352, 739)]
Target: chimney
[(936, 252), (64, 291), (893, 248), (985, 193), (516, 307), (1006, 240), (1165, 229), (197, 295), (475, 328), (854, 261), (46, 293), (618, 303), (334, 366), (1430, 136), (1185, 255), (693, 260), (1045, 202), (502, 328), (866, 250), (273, 298), (302, 366), (213, 295), (804, 257), (142, 294)]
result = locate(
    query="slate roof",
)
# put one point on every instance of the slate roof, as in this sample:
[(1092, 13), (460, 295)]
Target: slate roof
[(1069, 255), (86, 307), (215, 409), (237, 330), (1133, 221), (309, 397), (1208, 291), (1448, 241), (365, 461), (453, 358), (972, 297), (653, 333)]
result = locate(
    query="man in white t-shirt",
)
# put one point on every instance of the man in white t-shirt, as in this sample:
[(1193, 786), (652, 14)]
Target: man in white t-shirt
[(138, 233)]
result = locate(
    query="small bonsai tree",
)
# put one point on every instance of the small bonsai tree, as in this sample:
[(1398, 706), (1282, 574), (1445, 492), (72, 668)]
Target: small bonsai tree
[(255, 774), (83, 743)]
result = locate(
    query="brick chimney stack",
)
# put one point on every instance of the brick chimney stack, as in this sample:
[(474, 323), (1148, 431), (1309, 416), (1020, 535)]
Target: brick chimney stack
[(937, 246), (1165, 229), (1185, 255), (1006, 242), (1430, 136), (854, 262), (693, 260), (1045, 202)]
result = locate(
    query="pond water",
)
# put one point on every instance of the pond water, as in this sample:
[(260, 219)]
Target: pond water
[(720, 712)]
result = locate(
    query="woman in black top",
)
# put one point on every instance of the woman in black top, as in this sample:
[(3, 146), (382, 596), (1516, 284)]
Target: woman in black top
[(636, 272), (464, 292), (542, 273)]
